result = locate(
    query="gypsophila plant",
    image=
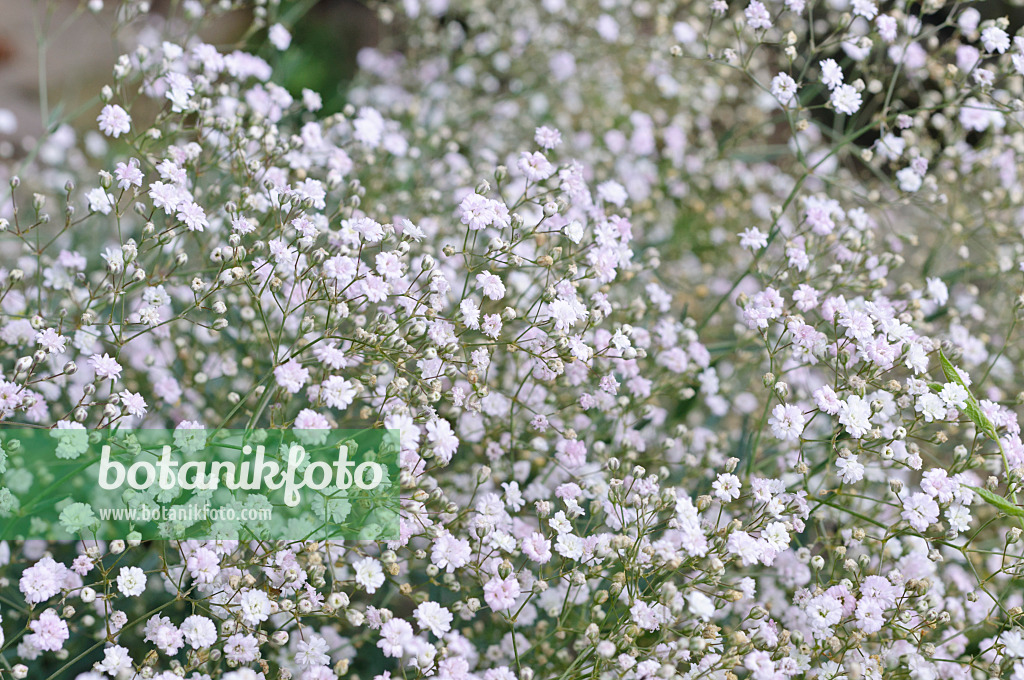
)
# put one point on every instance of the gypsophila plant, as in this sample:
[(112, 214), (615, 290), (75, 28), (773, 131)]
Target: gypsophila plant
[(698, 322)]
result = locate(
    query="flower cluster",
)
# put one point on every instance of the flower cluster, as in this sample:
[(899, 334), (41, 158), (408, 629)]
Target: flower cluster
[(698, 323)]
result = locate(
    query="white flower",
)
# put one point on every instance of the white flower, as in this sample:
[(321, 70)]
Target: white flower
[(890, 147), (787, 422), (612, 192), (937, 290), (851, 470), (547, 138), (909, 180), (199, 631), (369, 574), (954, 395), (433, 617), (831, 73), (131, 581), (535, 166), (931, 407), (784, 89), (776, 535), (115, 660), (920, 510), (727, 487), (369, 127), (99, 201), (960, 520), (312, 100), (179, 91), (995, 39), (865, 8), (753, 239), (757, 15), (114, 121), (700, 605), (312, 653), (846, 99), (254, 606), (573, 231), (490, 285), (279, 37), (855, 414), (193, 215)]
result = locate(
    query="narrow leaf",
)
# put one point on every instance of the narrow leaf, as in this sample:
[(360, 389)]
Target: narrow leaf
[(998, 501), (973, 409), (949, 371), (973, 412)]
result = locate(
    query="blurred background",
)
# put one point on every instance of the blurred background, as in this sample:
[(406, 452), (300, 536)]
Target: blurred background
[(56, 54)]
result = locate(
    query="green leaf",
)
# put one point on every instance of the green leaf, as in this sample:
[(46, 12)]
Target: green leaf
[(998, 501), (973, 409), (949, 371)]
